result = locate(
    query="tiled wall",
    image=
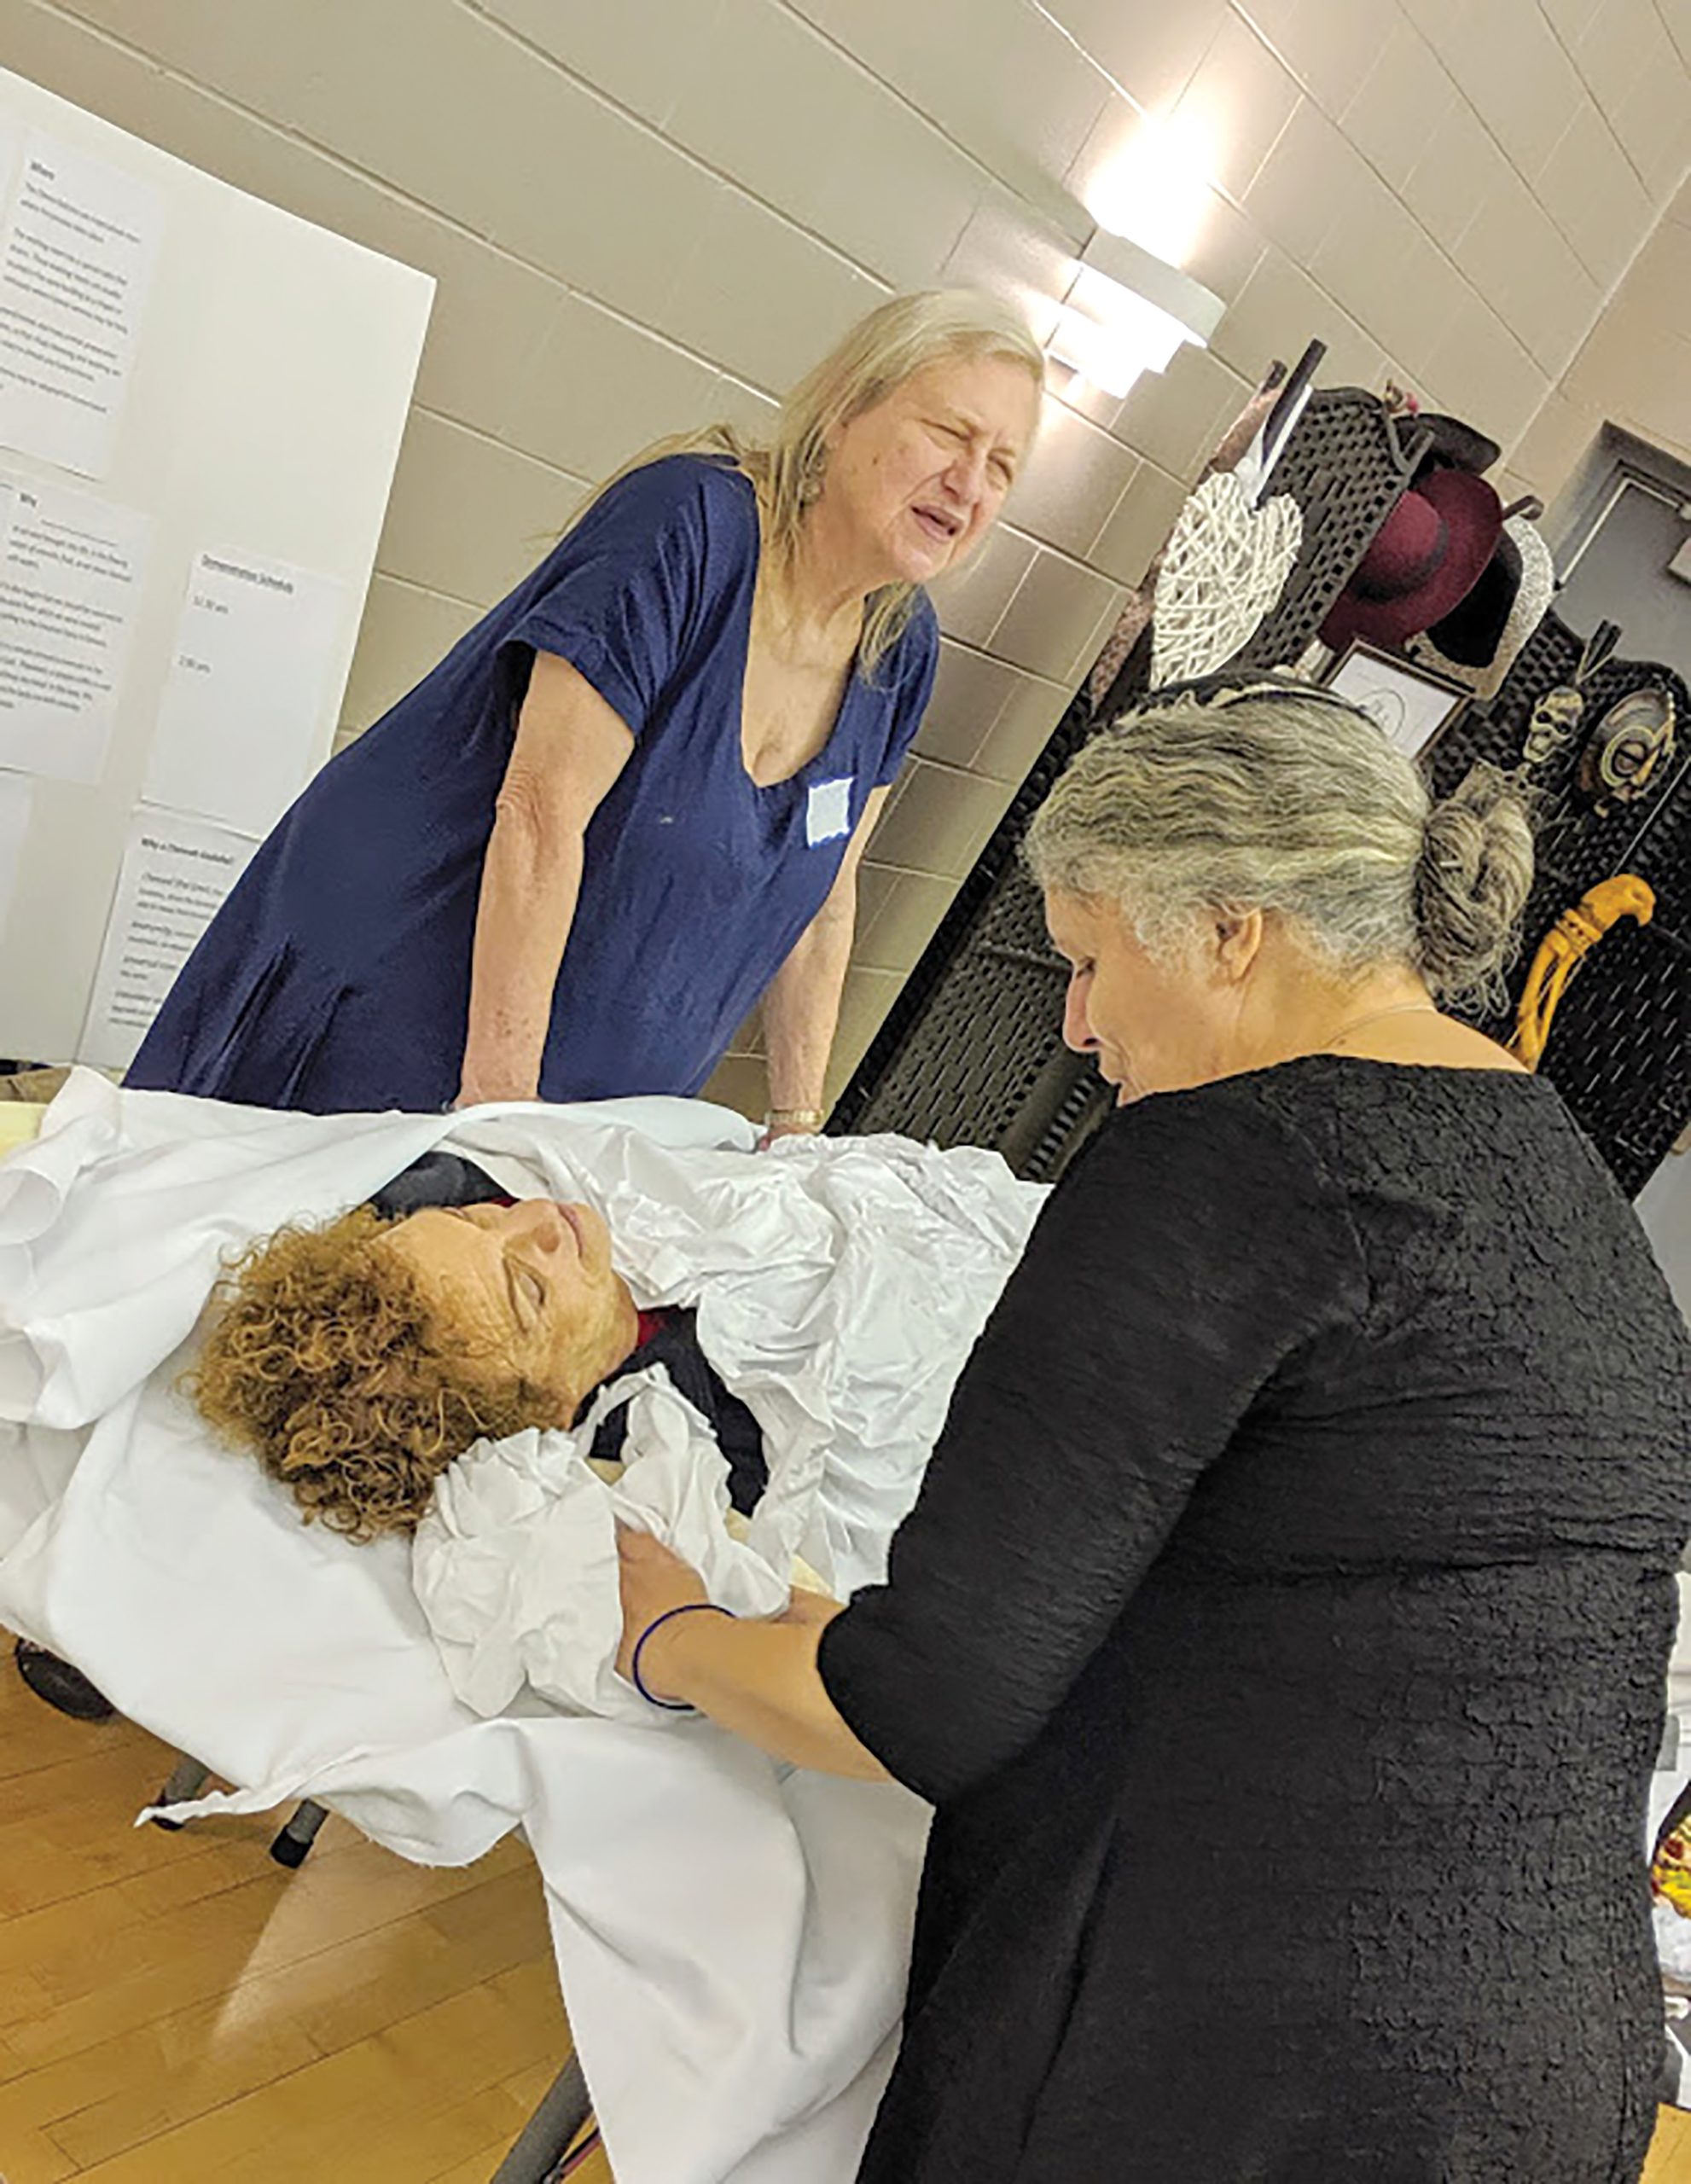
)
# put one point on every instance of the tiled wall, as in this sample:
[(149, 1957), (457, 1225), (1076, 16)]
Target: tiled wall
[(1634, 369), (642, 213)]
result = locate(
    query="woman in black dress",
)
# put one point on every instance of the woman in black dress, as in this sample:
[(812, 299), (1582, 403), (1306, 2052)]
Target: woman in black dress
[(1281, 1633)]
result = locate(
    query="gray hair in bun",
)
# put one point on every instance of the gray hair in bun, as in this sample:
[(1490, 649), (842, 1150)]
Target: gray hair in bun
[(1289, 800), (1471, 886)]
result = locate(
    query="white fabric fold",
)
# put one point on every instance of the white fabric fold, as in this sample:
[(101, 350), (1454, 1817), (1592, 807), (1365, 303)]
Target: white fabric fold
[(515, 1563)]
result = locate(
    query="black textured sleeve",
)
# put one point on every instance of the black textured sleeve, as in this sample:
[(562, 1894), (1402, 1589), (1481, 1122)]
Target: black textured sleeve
[(1191, 1251)]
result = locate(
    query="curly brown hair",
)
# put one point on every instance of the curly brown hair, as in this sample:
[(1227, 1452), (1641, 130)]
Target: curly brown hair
[(321, 1362)]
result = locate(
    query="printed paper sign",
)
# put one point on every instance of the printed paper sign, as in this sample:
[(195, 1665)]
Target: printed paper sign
[(76, 255), (70, 582), (176, 874), (242, 718)]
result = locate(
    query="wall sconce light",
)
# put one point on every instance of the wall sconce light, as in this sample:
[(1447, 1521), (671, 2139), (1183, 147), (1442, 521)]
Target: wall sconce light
[(1128, 312)]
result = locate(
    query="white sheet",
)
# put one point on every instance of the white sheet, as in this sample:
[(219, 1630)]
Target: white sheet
[(731, 1935)]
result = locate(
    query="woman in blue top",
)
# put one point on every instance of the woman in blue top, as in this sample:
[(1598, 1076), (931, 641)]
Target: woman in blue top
[(632, 800)]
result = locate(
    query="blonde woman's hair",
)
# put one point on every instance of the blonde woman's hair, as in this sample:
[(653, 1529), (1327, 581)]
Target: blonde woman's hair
[(1295, 804), (895, 340)]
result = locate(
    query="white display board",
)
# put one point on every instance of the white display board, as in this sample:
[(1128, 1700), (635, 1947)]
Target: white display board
[(201, 400)]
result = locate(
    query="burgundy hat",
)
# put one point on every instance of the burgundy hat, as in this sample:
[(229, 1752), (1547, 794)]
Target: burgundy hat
[(1426, 558)]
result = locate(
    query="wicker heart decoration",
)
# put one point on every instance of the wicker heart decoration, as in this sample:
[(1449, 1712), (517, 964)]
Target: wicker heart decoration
[(1225, 567)]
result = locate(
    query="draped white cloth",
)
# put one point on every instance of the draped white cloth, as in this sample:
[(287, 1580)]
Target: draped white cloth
[(731, 1935)]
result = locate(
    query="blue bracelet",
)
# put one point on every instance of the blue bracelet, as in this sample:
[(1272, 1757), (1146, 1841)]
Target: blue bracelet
[(669, 1705)]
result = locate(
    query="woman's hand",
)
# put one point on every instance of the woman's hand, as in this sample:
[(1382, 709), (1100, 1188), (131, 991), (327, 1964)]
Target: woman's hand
[(806, 1607), (756, 1676), (654, 1580)]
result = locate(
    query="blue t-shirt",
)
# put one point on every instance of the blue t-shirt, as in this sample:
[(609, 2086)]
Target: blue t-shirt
[(336, 977)]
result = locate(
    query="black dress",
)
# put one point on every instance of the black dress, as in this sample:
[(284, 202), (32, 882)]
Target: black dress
[(1281, 1633)]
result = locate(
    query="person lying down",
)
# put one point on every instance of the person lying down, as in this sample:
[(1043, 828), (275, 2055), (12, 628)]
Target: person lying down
[(395, 1376), (357, 1360)]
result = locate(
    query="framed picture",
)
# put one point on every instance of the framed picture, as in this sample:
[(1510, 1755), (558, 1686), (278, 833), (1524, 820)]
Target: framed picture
[(1411, 703)]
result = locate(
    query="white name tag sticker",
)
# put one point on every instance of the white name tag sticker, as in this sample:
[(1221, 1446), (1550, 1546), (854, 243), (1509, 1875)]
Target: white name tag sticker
[(827, 816)]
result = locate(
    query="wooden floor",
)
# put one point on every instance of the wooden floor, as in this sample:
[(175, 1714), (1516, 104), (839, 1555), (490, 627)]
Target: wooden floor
[(176, 2007), (1669, 2159)]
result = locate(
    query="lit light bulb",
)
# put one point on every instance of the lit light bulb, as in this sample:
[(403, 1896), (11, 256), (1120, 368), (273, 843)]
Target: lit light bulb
[(1156, 190)]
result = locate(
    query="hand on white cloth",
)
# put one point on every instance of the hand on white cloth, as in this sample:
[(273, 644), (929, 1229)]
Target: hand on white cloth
[(655, 1583), (515, 1561)]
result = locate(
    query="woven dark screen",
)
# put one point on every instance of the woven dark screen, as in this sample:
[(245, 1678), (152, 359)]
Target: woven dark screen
[(1619, 1051)]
